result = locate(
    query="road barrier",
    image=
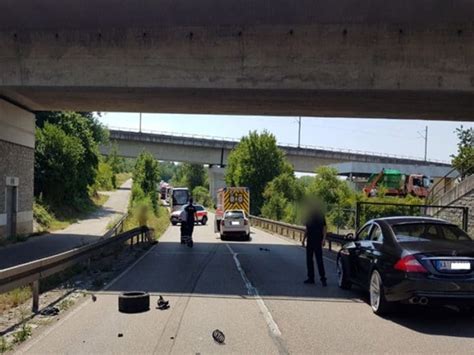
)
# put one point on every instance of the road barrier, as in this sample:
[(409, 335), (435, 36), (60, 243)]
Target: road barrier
[(293, 231), (32, 272)]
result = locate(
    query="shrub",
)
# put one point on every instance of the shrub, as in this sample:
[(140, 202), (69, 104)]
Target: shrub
[(201, 195), (41, 215)]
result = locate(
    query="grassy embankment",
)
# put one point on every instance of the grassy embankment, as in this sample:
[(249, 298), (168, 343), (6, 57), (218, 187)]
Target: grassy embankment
[(51, 218)]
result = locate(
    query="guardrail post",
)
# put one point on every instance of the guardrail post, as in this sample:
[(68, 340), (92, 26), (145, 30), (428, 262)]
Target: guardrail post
[(35, 292)]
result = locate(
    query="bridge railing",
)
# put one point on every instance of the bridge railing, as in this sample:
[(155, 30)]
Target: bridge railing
[(284, 145), (32, 272), (293, 231)]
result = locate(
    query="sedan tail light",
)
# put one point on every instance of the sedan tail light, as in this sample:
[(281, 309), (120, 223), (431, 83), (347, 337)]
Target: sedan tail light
[(222, 222), (409, 264), (246, 222)]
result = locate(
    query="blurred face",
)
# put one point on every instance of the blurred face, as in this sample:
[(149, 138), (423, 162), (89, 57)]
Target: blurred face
[(312, 206)]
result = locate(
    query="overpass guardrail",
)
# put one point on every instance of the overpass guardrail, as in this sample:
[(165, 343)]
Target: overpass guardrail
[(293, 231), (32, 272)]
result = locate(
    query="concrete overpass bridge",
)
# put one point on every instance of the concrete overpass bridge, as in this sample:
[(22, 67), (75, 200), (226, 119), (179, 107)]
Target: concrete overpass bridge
[(214, 152), (410, 59)]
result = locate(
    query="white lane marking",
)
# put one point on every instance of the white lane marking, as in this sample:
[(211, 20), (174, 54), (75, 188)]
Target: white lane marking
[(252, 291)]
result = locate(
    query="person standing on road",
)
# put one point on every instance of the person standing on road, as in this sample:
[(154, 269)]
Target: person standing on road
[(315, 236), (191, 217)]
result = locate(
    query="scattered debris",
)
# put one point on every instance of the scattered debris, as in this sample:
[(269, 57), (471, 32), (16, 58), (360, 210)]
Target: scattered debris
[(50, 311), (264, 249), (162, 304), (94, 298), (218, 336), (120, 335)]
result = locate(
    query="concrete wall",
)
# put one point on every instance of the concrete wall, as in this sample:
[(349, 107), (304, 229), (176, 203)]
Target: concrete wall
[(17, 141), (461, 194)]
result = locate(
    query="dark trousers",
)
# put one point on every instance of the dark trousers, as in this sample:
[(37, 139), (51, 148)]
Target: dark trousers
[(316, 250), (187, 230), (190, 228)]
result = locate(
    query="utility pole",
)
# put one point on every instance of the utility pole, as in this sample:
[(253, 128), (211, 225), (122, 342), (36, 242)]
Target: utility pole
[(426, 143), (140, 126), (425, 137), (299, 132)]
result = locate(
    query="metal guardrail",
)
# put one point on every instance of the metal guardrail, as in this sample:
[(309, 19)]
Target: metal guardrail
[(117, 228), (32, 272), (287, 145), (293, 231)]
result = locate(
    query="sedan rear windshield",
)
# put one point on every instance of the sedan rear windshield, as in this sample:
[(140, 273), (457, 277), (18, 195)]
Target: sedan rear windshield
[(234, 214), (429, 231)]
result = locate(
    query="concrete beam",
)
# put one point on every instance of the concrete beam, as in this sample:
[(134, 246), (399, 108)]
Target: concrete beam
[(349, 58)]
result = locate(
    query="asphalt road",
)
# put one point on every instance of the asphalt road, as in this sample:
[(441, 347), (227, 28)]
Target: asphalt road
[(85, 231), (255, 297)]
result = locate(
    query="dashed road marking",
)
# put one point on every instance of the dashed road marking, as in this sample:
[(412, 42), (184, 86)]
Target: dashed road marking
[(252, 291)]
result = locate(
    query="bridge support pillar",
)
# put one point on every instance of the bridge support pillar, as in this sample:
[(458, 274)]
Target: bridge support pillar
[(216, 180), (17, 151)]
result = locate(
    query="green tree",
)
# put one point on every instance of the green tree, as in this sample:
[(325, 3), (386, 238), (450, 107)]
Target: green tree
[(116, 162), (145, 179), (88, 134), (283, 197), (463, 161), (327, 186), (167, 170), (105, 179), (59, 158), (179, 177), (201, 195), (194, 175), (335, 194), (255, 161)]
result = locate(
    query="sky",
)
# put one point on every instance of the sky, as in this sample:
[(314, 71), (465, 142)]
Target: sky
[(395, 137)]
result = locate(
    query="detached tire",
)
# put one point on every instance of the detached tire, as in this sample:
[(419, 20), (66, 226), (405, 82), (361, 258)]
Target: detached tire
[(134, 302)]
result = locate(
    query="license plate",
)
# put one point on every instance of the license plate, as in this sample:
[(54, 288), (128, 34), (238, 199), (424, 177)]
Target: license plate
[(460, 266), (453, 265), (235, 223)]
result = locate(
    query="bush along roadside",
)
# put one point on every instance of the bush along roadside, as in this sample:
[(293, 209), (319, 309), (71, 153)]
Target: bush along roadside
[(144, 209)]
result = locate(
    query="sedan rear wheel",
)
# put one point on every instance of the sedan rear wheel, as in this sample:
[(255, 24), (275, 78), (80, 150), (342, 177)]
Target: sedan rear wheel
[(342, 277), (379, 304), (204, 220)]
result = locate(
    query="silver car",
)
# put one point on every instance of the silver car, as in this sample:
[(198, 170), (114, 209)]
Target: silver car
[(235, 224)]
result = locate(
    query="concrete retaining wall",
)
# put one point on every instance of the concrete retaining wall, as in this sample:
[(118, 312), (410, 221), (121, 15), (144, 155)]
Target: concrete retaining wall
[(460, 195)]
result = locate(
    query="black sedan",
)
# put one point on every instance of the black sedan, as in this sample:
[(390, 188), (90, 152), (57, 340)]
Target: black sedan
[(414, 260)]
